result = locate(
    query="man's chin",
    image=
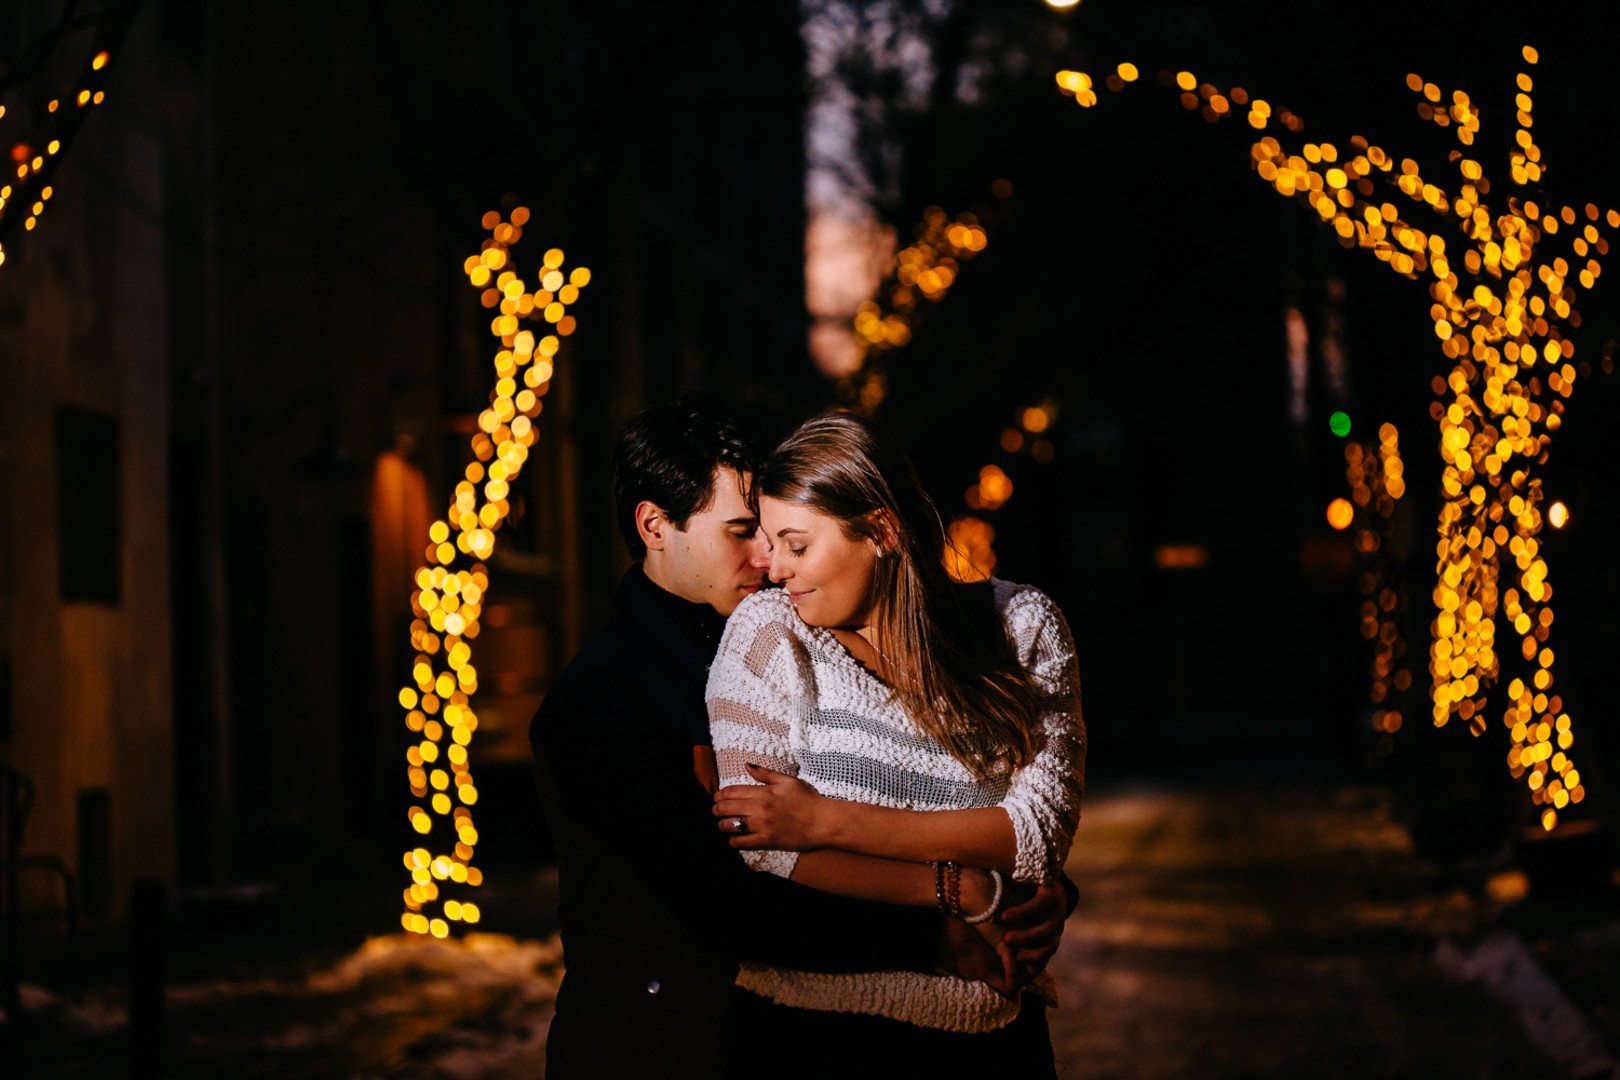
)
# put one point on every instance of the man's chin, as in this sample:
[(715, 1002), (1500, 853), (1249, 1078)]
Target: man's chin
[(726, 604)]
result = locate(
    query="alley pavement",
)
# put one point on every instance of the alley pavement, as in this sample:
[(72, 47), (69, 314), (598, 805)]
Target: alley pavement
[(1220, 933)]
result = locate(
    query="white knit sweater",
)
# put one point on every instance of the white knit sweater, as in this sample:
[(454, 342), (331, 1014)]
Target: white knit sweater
[(790, 697)]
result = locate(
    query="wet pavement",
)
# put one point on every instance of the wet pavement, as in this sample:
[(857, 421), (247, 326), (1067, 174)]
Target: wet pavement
[(1219, 934), (1296, 934)]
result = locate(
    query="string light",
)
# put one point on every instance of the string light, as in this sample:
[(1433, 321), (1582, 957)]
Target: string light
[(970, 553), (453, 583), (1502, 309), (27, 191), (922, 272), (1377, 478)]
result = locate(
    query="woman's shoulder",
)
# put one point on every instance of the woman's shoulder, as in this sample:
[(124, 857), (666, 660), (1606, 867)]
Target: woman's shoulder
[(1027, 611), (768, 612), (765, 606), (757, 632), (1013, 596)]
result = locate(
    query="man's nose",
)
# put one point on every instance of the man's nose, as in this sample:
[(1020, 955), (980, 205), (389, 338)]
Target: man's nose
[(760, 557)]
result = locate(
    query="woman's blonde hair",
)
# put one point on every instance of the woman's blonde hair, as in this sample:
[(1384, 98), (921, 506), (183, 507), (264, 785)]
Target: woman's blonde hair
[(949, 659)]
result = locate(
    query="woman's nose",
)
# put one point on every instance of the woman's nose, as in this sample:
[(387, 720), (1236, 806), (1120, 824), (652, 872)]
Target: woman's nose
[(779, 571)]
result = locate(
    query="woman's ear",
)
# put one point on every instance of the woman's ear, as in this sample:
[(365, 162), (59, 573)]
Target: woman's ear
[(885, 531)]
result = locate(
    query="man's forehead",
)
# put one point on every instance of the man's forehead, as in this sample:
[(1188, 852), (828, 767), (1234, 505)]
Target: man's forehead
[(730, 502)]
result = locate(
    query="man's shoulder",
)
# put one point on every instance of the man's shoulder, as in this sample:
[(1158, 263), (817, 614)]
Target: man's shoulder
[(607, 670)]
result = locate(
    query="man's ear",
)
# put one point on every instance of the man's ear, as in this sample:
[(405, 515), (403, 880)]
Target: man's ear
[(651, 524)]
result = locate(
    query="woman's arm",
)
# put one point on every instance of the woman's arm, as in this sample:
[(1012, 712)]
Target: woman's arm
[(784, 812), (888, 881), (757, 687), (1027, 836)]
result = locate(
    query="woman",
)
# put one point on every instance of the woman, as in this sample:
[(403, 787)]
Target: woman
[(871, 714)]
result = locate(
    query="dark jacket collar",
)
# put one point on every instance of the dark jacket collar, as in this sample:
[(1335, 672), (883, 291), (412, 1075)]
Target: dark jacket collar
[(689, 632)]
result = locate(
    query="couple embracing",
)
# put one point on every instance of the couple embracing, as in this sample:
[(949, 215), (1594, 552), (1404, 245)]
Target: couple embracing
[(816, 828)]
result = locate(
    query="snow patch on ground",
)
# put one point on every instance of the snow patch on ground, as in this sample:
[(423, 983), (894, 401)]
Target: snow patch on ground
[(1504, 969), (416, 1007), (95, 1016), (474, 961)]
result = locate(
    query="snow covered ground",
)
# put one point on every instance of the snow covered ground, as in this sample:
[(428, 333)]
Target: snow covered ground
[(1218, 934)]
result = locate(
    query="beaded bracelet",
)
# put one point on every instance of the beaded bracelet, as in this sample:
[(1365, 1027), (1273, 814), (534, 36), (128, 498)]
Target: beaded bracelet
[(995, 902), (948, 888)]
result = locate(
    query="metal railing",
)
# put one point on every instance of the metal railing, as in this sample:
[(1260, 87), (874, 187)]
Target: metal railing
[(16, 804)]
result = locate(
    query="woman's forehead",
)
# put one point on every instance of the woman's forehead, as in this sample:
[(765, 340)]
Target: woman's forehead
[(776, 514)]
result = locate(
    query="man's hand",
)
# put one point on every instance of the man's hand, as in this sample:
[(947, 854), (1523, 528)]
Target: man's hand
[(1034, 929), (780, 812), (970, 952)]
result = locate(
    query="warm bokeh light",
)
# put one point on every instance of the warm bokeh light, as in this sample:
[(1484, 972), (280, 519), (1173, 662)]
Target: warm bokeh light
[(31, 194), (1377, 479), (1035, 419), (1340, 513), (969, 549), (1502, 295), (993, 488), (451, 588), (1181, 556), (1558, 515), (922, 272)]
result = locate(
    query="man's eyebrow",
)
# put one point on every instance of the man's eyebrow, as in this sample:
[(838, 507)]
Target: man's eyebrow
[(749, 520)]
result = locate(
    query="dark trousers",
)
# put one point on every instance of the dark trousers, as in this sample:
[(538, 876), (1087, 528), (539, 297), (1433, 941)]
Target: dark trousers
[(782, 1043)]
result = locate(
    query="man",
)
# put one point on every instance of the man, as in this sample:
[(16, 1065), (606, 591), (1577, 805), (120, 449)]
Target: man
[(656, 908)]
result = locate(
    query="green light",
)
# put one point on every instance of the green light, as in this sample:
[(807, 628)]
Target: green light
[(1340, 423)]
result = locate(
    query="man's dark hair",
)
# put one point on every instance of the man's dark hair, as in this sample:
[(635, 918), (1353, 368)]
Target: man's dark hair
[(668, 454)]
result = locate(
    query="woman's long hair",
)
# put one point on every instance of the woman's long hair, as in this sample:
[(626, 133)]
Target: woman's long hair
[(949, 659)]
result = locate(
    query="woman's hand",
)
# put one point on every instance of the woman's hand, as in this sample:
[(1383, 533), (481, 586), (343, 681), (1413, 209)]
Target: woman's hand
[(781, 812)]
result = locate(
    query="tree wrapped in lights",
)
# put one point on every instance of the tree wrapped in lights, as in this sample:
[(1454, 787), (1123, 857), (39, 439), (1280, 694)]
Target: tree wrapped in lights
[(1502, 307), (26, 189), (923, 272), (452, 584)]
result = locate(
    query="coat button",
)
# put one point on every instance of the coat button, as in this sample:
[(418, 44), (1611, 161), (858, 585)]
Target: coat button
[(654, 986)]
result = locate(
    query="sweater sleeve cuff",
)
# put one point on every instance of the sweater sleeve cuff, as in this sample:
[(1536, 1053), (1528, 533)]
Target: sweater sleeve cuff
[(771, 861), (1029, 859)]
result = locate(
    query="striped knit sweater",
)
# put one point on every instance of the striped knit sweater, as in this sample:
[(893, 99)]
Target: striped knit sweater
[(790, 697)]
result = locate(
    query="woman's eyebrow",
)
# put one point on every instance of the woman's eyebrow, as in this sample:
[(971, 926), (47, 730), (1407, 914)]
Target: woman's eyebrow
[(784, 532)]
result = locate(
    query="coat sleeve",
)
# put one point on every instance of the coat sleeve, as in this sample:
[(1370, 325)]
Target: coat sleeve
[(627, 787), (1043, 798)]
